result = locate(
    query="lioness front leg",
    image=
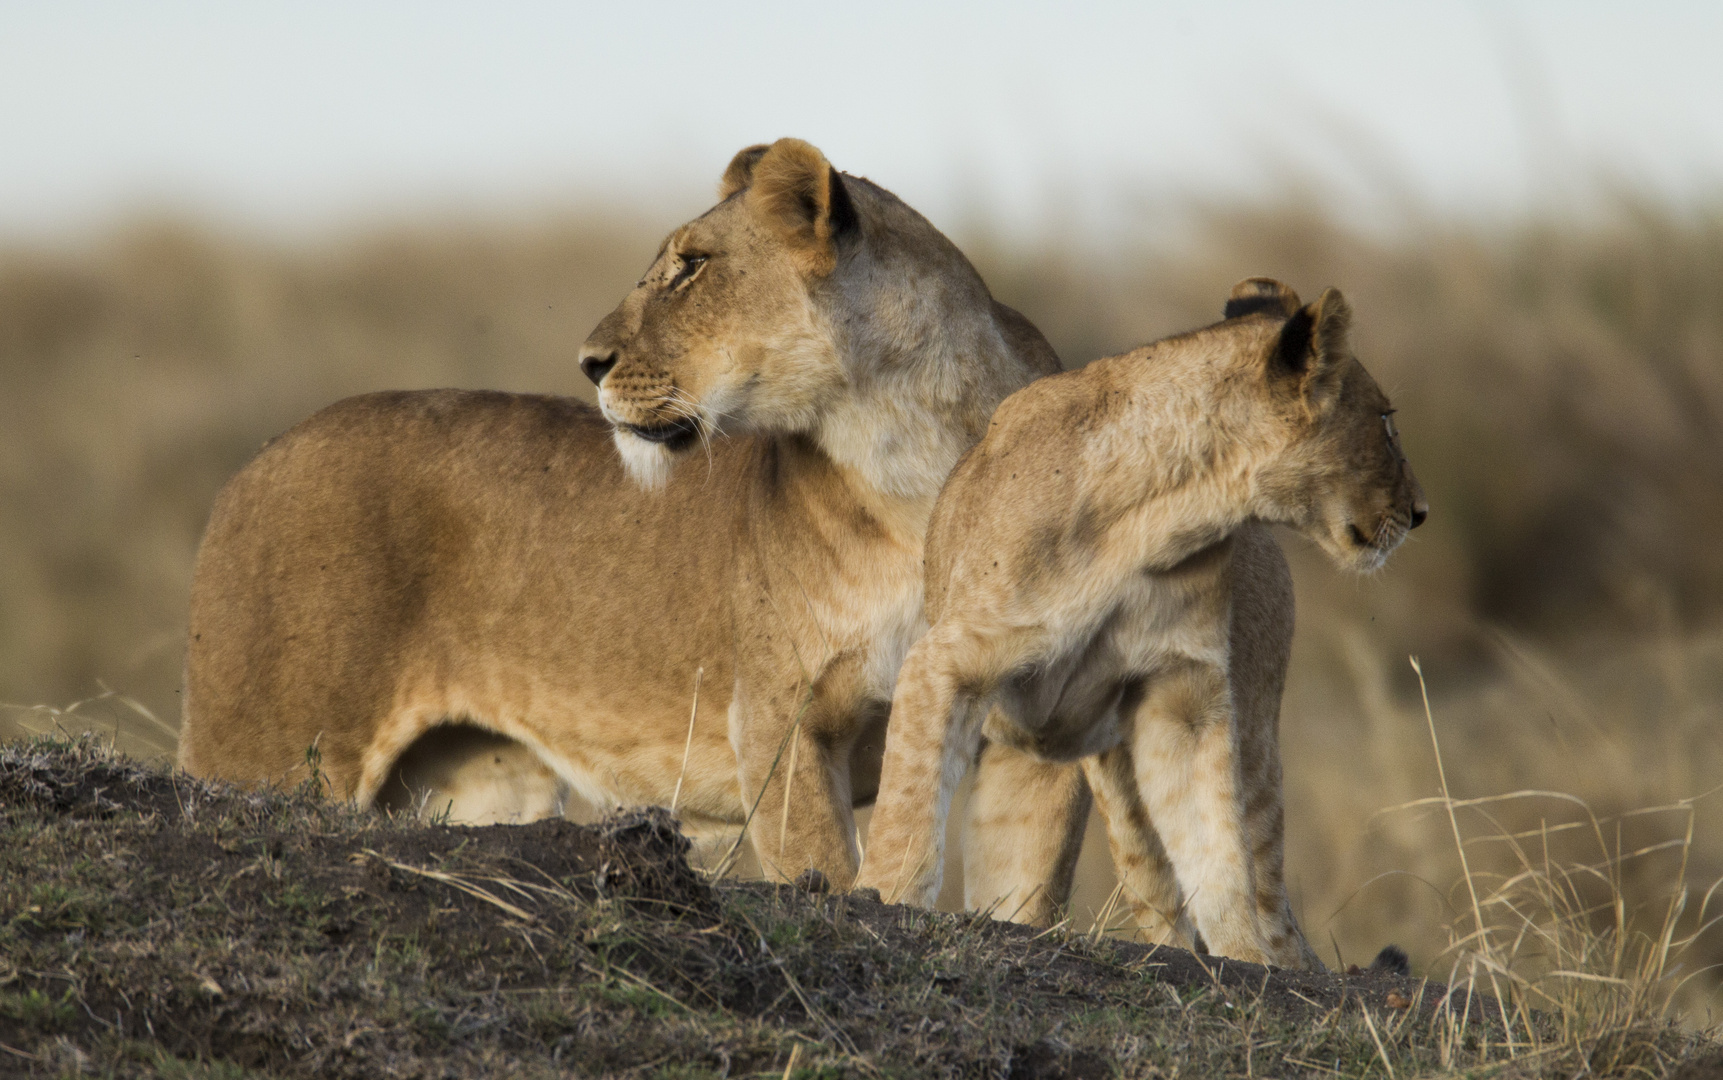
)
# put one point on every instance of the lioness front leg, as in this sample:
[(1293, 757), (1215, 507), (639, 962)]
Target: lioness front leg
[(1022, 833), (799, 796), (1185, 749)]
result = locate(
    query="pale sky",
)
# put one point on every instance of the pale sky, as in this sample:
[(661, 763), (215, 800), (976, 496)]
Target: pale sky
[(317, 113)]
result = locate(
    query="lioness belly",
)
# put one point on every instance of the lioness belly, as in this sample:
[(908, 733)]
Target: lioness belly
[(467, 775)]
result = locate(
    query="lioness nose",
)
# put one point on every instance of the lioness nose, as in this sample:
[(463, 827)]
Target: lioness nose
[(597, 367), (1420, 511)]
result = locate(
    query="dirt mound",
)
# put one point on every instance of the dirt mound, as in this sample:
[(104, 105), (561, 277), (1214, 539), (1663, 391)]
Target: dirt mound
[(155, 925), (81, 780)]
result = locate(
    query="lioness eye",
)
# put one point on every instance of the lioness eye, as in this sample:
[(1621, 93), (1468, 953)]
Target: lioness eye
[(691, 265), (1388, 425)]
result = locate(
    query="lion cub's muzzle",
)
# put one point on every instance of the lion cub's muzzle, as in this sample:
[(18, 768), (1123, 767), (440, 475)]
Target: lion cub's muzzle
[(1406, 512), (1417, 508)]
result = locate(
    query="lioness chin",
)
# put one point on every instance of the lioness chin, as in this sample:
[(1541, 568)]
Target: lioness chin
[(1083, 565)]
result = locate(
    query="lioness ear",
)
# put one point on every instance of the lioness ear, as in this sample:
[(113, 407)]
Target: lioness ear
[(795, 190), (740, 172), (1313, 346), (1260, 294)]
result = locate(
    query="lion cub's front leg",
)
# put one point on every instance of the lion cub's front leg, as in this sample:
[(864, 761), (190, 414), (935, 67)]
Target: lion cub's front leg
[(935, 729)]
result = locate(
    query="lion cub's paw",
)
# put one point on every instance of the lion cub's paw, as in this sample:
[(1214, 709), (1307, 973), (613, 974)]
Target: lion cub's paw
[(1393, 960)]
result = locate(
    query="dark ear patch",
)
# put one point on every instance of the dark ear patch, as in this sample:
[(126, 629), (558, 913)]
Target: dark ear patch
[(1260, 294), (740, 172), (1292, 351), (1238, 308), (845, 220)]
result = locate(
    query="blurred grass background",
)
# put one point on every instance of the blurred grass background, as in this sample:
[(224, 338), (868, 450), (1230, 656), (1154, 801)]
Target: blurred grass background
[(1560, 386)]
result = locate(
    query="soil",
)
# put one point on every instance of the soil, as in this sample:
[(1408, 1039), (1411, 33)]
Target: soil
[(154, 925)]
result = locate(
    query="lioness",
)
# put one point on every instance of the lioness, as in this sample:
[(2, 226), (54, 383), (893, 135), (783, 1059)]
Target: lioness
[(404, 561), (1081, 570)]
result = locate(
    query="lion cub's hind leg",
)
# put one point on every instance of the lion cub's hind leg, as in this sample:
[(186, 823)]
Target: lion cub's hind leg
[(1147, 881), (466, 775), (1022, 833)]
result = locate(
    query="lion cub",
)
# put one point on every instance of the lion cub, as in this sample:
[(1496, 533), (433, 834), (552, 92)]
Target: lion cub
[(1080, 564)]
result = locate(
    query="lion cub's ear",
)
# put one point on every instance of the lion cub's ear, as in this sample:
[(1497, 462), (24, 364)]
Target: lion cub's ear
[(740, 172), (1313, 348), (795, 190), (1260, 294)]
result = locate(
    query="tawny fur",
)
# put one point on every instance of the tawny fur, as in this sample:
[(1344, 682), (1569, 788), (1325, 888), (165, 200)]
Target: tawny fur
[(1085, 564)]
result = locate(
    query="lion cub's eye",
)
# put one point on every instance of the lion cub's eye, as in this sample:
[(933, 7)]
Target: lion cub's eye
[(691, 265), (1393, 438)]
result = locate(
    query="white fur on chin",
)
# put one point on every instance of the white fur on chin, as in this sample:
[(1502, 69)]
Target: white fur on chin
[(648, 463)]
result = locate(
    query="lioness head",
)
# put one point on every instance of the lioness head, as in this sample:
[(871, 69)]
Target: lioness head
[(724, 331), (1342, 478)]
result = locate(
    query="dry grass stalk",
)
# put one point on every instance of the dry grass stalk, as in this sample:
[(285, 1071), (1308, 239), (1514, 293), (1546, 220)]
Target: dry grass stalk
[(1566, 977), (688, 745)]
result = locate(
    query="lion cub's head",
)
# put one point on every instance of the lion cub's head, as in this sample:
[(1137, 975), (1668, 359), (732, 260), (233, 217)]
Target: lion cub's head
[(723, 331), (1340, 476)]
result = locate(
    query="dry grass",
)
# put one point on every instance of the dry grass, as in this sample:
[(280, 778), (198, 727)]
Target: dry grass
[(1570, 972), (1560, 382)]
